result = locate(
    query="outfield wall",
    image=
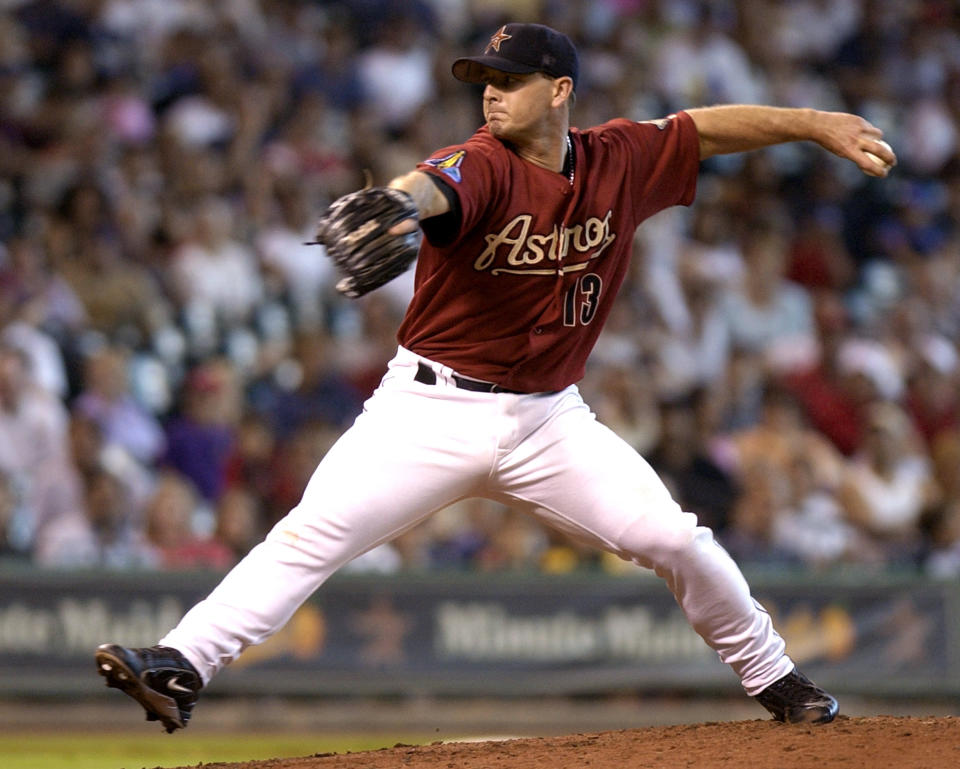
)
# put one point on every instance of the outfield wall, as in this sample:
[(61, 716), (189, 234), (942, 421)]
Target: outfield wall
[(460, 634)]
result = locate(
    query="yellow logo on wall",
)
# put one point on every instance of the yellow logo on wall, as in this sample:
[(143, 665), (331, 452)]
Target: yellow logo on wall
[(303, 637)]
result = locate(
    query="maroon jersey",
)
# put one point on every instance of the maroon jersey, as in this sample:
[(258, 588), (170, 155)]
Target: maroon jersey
[(521, 293)]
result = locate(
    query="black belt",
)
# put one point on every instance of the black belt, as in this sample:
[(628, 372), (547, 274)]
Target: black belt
[(426, 375)]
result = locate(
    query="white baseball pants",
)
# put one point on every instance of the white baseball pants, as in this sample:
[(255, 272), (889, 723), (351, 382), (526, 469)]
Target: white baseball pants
[(417, 448)]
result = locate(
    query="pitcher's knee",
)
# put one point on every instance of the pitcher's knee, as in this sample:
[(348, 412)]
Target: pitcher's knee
[(662, 542)]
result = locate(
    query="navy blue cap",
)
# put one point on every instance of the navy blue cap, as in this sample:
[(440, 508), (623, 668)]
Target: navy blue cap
[(521, 49)]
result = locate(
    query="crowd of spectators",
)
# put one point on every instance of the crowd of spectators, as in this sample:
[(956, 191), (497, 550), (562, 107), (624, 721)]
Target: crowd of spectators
[(174, 361)]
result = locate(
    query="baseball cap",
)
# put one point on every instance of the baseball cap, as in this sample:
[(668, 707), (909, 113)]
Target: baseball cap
[(521, 49)]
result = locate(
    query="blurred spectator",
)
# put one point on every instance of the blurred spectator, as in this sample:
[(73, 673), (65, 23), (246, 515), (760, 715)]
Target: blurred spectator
[(396, 71), (697, 62), (833, 390), (34, 293), (560, 554), (48, 369), (327, 51), (933, 395), (945, 459), (106, 400), (213, 271), (696, 349), (222, 107), (734, 402), (812, 526), (126, 112), (682, 460), (779, 437), (200, 438), (91, 453), (943, 560), (944, 535), (239, 522), (766, 313), (118, 541), (118, 294), (812, 30), (312, 146), (516, 541), (889, 486), (10, 503), (370, 339), (624, 402), (749, 536), (818, 258), (38, 311), (316, 390), (251, 464), (789, 475), (170, 520), (304, 272), (299, 456), (459, 533), (34, 453)]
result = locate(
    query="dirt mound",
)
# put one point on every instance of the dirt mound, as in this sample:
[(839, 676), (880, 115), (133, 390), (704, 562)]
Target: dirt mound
[(851, 743)]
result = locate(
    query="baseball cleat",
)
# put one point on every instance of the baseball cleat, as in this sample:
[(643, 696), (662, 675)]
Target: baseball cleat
[(158, 677), (795, 699)]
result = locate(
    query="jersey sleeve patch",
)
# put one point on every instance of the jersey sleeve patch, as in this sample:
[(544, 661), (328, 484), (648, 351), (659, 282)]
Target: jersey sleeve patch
[(449, 165), (661, 124)]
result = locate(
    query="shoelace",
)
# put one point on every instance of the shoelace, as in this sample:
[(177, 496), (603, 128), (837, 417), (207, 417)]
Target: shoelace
[(794, 685)]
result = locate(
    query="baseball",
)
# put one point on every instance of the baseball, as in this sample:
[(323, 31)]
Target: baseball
[(880, 161)]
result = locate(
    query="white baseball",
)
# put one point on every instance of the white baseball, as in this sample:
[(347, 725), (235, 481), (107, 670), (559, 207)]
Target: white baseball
[(878, 160)]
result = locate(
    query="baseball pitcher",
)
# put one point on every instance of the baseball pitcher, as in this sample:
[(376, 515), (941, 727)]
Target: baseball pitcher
[(522, 236)]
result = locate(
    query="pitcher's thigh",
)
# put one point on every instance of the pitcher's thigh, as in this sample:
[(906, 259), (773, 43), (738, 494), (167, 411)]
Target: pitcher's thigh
[(376, 482), (588, 482)]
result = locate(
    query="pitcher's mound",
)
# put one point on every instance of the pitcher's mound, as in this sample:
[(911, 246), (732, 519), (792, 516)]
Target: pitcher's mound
[(847, 743)]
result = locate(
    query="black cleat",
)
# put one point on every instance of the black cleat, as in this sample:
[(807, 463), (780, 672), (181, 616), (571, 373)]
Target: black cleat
[(157, 677), (796, 699)]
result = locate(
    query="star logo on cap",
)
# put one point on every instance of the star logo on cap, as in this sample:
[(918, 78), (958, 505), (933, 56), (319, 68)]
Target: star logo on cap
[(498, 37)]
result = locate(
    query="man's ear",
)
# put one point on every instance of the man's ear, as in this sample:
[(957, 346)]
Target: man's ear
[(562, 90)]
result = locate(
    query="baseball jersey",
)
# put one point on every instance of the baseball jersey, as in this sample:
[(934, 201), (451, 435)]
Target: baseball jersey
[(519, 293)]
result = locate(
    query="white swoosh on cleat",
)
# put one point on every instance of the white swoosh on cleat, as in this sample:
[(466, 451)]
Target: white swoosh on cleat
[(174, 685)]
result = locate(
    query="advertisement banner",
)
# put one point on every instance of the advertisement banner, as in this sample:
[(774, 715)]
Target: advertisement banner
[(498, 635)]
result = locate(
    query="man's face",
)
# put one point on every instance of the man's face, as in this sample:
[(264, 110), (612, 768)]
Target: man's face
[(13, 379), (516, 106)]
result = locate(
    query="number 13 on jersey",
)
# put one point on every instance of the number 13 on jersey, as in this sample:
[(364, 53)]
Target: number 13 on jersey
[(581, 300)]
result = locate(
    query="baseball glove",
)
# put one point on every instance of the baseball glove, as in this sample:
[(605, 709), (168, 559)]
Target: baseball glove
[(356, 232)]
